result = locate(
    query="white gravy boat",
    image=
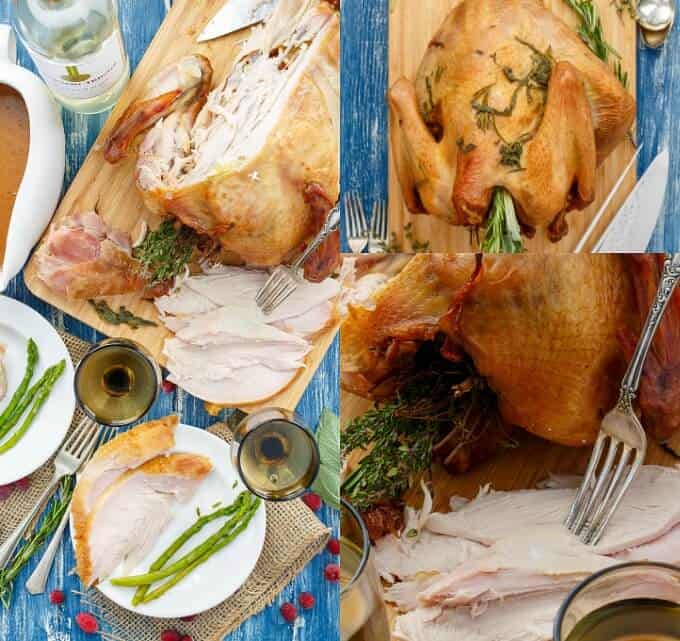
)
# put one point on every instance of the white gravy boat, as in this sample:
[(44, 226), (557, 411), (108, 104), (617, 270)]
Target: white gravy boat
[(43, 178)]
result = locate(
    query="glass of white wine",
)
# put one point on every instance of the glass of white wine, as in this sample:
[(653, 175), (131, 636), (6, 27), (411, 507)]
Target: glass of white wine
[(362, 611), (117, 382), (275, 453), (628, 602)]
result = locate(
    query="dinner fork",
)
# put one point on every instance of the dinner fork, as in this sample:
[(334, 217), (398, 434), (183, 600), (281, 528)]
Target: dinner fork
[(378, 240), (38, 580), (601, 492), (285, 280), (355, 219), (70, 457)]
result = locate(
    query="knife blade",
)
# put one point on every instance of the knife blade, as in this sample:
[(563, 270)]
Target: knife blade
[(236, 15), (633, 225)]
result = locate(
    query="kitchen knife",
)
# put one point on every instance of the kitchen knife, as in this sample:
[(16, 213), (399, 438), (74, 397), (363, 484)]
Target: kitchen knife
[(633, 226), (236, 15)]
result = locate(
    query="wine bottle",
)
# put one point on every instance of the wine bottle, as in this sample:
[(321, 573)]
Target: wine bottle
[(78, 49)]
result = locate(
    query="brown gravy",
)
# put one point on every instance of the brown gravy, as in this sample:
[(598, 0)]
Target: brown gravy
[(14, 137)]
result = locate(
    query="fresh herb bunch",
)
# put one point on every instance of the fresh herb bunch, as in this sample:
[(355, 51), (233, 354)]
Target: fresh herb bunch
[(56, 510), (165, 253), (401, 435), (121, 317), (503, 234), (592, 33)]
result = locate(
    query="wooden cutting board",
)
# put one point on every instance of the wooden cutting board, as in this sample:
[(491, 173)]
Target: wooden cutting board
[(412, 25), (520, 468), (112, 187)]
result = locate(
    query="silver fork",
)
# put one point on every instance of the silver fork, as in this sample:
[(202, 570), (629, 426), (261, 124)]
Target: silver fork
[(285, 280), (355, 220), (601, 491), (378, 239), (38, 580), (69, 458)]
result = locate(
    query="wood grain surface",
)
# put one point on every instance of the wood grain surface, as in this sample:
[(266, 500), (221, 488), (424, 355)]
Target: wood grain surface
[(32, 617), (113, 190), (412, 25)]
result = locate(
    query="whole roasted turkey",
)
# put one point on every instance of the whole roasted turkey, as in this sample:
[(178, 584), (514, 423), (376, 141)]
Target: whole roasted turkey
[(507, 95), (551, 335), (254, 162)]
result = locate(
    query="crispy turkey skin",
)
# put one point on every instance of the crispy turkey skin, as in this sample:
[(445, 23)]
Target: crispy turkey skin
[(550, 334), (507, 95)]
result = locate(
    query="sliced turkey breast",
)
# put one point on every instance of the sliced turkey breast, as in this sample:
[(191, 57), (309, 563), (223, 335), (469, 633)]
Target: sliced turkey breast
[(129, 515), (649, 509), (517, 619), (397, 558), (127, 451), (225, 350)]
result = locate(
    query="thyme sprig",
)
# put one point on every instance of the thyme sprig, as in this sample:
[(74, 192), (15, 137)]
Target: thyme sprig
[(503, 233), (400, 435), (55, 511), (167, 251)]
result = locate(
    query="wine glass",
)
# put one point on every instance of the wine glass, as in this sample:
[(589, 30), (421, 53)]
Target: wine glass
[(628, 601), (117, 382), (275, 453)]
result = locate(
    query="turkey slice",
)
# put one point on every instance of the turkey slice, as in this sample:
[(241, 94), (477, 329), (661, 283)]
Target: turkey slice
[(127, 451), (648, 510), (128, 517)]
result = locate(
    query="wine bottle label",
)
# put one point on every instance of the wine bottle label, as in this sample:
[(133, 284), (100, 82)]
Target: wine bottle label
[(87, 77)]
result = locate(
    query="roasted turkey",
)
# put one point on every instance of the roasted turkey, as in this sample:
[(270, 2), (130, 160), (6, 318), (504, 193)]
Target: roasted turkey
[(550, 334), (507, 95), (254, 163)]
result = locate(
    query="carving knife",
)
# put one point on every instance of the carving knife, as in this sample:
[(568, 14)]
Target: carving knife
[(633, 226), (236, 15)]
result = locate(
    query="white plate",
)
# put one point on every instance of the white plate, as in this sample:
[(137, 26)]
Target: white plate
[(225, 572), (18, 323)]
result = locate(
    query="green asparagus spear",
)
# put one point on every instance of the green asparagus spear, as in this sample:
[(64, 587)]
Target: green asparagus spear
[(32, 359), (54, 373), (19, 409), (222, 543), (181, 563), (184, 537)]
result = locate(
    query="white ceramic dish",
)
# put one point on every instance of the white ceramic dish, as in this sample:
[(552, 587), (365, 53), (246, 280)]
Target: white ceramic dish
[(40, 187), (225, 572), (18, 323)]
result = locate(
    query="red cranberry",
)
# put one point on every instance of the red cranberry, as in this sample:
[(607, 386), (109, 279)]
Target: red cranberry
[(87, 623), (171, 635), (306, 600), (333, 546), (289, 612), (332, 572), (312, 501), (57, 597)]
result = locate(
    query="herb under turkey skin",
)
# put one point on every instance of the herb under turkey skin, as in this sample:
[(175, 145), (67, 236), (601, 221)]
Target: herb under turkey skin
[(442, 399)]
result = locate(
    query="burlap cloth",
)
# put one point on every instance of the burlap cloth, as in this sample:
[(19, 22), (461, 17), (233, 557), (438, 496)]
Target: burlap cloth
[(294, 536)]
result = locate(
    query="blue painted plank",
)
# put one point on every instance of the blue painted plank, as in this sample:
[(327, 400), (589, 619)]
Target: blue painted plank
[(32, 617)]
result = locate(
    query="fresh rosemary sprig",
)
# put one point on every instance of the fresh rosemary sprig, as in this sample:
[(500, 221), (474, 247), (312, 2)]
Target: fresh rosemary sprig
[(503, 234), (167, 251), (122, 317), (592, 33), (55, 511)]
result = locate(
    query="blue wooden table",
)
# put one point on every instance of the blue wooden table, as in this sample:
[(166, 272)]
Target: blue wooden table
[(32, 617), (365, 116)]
